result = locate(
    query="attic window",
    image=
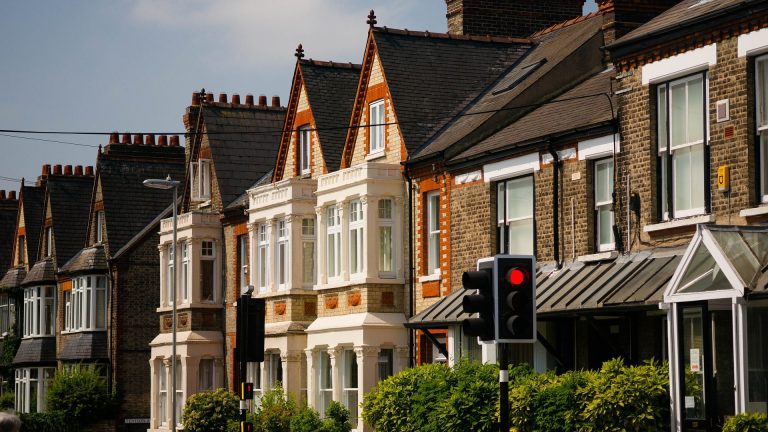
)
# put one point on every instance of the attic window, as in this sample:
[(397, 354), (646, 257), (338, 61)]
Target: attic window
[(304, 152), (201, 180), (99, 226), (517, 75)]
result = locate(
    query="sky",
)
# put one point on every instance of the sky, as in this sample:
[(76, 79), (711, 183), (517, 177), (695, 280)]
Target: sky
[(132, 65)]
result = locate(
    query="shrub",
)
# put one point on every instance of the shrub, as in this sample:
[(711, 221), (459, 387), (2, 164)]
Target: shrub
[(275, 412), (210, 411), (472, 402), (306, 420), (81, 395), (336, 418), (47, 422), (749, 422), (7, 401)]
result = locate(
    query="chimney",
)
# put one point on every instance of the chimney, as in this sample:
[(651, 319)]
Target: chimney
[(262, 100), (137, 138), (195, 98), (149, 139), (89, 171), (68, 170), (162, 140), (57, 170), (174, 140), (235, 99), (12, 195), (112, 138), (622, 16), (79, 170), (209, 97), (276, 101), (126, 138), (2, 194), (222, 98), (249, 99), (46, 170), (513, 18)]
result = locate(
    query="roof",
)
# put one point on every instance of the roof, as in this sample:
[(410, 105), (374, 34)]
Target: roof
[(583, 111), (685, 13), (128, 205), (35, 351), (331, 92), (13, 278), (87, 260), (9, 209), (431, 76), (84, 346), (560, 58), (244, 143), (151, 228), (69, 198), (32, 198), (242, 200), (42, 272)]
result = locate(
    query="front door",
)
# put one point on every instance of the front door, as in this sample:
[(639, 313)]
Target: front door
[(706, 366)]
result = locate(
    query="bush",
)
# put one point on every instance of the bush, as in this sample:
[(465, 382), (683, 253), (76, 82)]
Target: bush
[(275, 412), (472, 404), (7, 401), (210, 411), (336, 419), (47, 422), (749, 422), (81, 395), (306, 420)]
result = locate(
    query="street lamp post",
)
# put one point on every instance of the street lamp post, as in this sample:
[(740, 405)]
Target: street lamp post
[(166, 184)]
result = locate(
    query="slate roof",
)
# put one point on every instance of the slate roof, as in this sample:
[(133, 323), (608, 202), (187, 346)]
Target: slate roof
[(683, 14), (84, 346), (91, 259), (32, 199), (431, 76), (36, 351), (544, 72), (70, 198), (242, 200), (331, 91), (244, 143), (547, 120), (13, 278), (128, 205), (43, 271), (9, 210)]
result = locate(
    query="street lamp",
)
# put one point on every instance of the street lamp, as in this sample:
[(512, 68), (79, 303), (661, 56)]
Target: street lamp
[(166, 184)]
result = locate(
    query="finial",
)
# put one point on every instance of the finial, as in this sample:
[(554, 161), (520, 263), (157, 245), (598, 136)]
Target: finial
[(299, 52), (371, 19)]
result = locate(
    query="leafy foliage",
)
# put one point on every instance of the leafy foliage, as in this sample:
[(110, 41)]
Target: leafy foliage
[(336, 418), (749, 422), (81, 395), (47, 422), (306, 420), (210, 411), (275, 412), (7, 401)]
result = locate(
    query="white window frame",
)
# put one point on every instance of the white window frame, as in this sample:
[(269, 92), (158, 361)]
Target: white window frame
[(386, 213), (84, 303), (377, 127), (282, 256), (386, 360), (6, 312), (68, 312), (206, 379), (162, 393), (243, 257), (170, 269), (99, 226), (356, 238), (184, 279), (305, 150), (24, 383), (179, 393), (48, 241), (275, 370), (680, 150), (350, 384), (262, 257), (433, 233), (333, 243), (504, 222), (36, 299), (201, 179), (253, 375), (308, 232), (761, 117), (602, 205), (209, 254), (324, 381)]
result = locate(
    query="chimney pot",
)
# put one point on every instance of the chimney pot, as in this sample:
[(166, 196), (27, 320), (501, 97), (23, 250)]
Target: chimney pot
[(174, 140), (149, 139), (195, 98), (68, 170), (126, 138), (162, 140), (57, 170), (137, 138), (249, 99), (89, 171), (276, 101), (262, 100), (235, 99), (46, 170), (2, 194), (113, 138), (209, 97), (79, 170), (222, 98), (12, 195)]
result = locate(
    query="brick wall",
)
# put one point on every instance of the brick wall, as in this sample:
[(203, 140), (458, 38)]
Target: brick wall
[(360, 298), (517, 18)]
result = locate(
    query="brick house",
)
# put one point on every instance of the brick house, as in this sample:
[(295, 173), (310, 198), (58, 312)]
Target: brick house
[(230, 146), (9, 210), (110, 288), (62, 226)]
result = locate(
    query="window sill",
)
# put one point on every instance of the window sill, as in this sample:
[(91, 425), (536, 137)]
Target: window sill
[(373, 156), (189, 306), (359, 281), (600, 256), (679, 223), (69, 332), (430, 278), (294, 291), (754, 211)]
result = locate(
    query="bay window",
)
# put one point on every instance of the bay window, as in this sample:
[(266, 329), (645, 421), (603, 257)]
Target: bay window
[(242, 256), (85, 308), (349, 384), (6, 313), (205, 374), (386, 249), (603, 179), (253, 375), (179, 393), (275, 370), (324, 382), (333, 255), (385, 364), (39, 311), (32, 387), (377, 126), (356, 237), (162, 393), (682, 150), (169, 275), (201, 180), (282, 255), (207, 271), (308, 251), (304, 150), (514, 216), (761, 112), (262, 255), (100, 226), (433, 232), (184, 276)]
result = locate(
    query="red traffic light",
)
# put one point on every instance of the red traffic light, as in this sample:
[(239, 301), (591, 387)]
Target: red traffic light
[(517, 276)]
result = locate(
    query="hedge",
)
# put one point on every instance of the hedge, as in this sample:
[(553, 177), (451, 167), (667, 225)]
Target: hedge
[(747, 423)]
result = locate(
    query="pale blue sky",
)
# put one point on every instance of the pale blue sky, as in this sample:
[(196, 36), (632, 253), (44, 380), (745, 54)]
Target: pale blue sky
[(132, 65)]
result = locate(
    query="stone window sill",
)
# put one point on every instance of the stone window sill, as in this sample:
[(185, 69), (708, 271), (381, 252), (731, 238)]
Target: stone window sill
[(678, 223), (373, 156), (601, 256), (755, 211), (430, 277)]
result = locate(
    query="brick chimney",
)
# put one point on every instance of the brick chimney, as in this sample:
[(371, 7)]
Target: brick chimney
[(622, 16), (515, 18)]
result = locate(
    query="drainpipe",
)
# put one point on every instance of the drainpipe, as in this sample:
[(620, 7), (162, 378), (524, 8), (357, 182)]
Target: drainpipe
[(411, 290), (555, 203)]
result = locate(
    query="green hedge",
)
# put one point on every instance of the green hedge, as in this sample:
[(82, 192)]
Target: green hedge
[(747, 423), (47, 422), (81, 394)]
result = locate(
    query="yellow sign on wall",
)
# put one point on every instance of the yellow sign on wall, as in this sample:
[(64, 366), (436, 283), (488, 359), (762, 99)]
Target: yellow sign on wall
[(723, 178)]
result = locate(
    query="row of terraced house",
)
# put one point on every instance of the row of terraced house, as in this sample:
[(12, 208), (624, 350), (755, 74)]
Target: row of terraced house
[(626, 149)]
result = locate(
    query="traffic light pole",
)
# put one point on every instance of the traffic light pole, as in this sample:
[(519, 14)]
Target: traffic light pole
[(241, 354), (503, 388)]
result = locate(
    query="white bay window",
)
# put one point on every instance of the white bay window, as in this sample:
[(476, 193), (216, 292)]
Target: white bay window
[(32, 387), (350, 384), (184, 276), (325, 382), (333, 243), (356, 235), (86, 305), (207, 271), (282, 255), (39, 311), (308, 251), (262, 256), (386, 248)]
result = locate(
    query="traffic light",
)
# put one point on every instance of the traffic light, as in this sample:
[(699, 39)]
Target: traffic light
[(515, 298), (480, 303), (246, 391), (246, 426), (250, 328)]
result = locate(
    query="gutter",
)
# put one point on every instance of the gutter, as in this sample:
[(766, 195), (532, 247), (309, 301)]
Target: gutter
[(411, 290), (555, 203)]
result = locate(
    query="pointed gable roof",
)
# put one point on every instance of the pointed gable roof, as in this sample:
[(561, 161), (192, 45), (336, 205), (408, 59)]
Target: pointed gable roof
[(31, 198), (68, 198), (9, 209), (430, 75)]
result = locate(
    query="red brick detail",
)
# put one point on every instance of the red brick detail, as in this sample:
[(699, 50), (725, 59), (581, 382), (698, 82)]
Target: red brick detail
[(430, 289), (354, 298), (331, 301), (387, 298), (280, 308), (241, 229)]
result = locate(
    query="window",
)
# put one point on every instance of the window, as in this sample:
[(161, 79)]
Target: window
[(6, 313), (22, 250), (253, 375), (377, 126), (324, 382), (433, 231), (179, 393), (201, 180), (385, 363), (207, 257), (162, 394), (334, 242), (86, 305), (282, 255), (99, 226), (349, 384), (304, 150), (275, 370), (32, 387), (48, 241), (205, 374), (761, 111), (386, 249), (308, 251), (242, 244), (262, 255), (184, 276), (39, 311), (170, 282), (682, 160), (603, 179), (514, 216), (356, 237)]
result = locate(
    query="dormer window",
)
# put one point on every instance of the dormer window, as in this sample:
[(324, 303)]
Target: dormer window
[(100, 226), (376, 126), (304, 150), (22, 251), (48, 241), (201, 180)]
